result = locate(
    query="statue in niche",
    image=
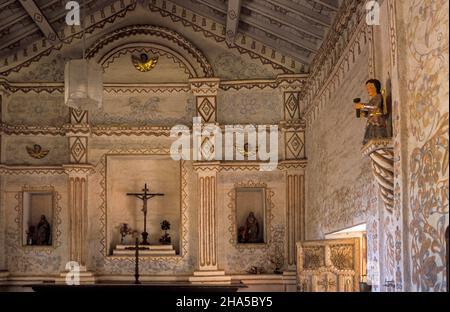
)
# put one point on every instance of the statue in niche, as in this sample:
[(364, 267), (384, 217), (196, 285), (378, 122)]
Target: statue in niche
[(376, 112), (43, 232), (250, 232)]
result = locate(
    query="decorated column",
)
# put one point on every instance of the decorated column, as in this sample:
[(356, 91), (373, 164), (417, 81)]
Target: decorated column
[(293, 136), (205, 92), (3, 273), (78, 132)]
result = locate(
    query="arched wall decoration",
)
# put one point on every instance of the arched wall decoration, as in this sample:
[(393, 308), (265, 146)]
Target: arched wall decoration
[(159, 50), (154, 37)]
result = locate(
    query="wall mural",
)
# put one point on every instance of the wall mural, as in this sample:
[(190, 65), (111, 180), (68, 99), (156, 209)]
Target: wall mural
[(48, 71), (427, 83), (228, 66), (145, 111), (36, 109), (246, 106)]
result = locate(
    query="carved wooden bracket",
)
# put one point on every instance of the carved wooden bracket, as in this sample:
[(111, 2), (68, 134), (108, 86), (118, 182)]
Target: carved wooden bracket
[(381, 151)]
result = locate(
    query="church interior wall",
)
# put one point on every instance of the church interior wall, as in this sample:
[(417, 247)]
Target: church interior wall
[(405, 246)]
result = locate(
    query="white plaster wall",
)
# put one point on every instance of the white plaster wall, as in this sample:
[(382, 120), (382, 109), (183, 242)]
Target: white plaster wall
[(339, 182)]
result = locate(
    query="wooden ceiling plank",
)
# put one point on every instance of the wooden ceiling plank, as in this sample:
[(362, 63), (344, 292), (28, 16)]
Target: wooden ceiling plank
[(280, 33), (6, 3), (21, 15), (302, 11), (293, 23), (270, 43), (252, 21), (330, 4)]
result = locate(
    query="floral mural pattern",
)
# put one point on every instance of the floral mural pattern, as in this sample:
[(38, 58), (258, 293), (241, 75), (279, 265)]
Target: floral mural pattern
[(428, 48)]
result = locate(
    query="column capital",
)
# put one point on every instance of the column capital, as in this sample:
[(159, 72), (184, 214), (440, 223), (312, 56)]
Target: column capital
[(207, 167), (204, 86), (82, 170)]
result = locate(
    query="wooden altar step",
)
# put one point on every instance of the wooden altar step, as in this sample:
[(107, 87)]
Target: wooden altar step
[(150, 250)]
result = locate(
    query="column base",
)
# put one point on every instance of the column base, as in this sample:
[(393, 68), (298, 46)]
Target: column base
[(4, 276), (210, 278), (290, 281), (86, 277)]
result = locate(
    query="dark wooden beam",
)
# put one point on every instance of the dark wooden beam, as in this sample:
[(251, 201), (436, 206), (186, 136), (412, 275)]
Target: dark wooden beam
[(234, 10)]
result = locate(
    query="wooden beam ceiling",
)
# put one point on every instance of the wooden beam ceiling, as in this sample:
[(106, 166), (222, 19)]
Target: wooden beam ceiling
[(40, 20), (301, 10), (270, 43)]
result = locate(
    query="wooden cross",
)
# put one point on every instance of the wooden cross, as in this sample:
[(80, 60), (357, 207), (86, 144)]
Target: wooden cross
[(145, 197)]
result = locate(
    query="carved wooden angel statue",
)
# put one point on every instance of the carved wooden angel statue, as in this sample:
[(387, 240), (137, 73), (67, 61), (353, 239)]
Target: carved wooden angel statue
[(376, 111)]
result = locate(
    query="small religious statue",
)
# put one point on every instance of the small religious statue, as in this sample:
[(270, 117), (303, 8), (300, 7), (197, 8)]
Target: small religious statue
[(43, 232), (125, 230), (165, 239), (376, 111), (250, 232)]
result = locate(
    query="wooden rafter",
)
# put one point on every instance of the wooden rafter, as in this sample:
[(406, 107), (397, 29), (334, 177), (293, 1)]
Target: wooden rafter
[(294, 23), (6, 3), (19, 16), (267, 28), (31, 29), (270, 43), (301, 10), (234, 10), (40, 20)]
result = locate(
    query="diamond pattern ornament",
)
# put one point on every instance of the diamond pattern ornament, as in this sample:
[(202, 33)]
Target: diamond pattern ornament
[(295, 145), (291, 104), (207, 149), (206, 109), (78, 150)]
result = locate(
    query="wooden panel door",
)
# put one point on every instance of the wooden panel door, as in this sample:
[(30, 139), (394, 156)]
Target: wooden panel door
[(329, 265)]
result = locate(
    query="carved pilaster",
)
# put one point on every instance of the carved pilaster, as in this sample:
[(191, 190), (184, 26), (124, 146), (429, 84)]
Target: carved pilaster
[(295, 213), (381, 152), (78, 217), (205, 92), (208, 271)]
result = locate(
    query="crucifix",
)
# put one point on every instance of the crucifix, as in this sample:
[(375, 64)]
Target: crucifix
[(145, 196)]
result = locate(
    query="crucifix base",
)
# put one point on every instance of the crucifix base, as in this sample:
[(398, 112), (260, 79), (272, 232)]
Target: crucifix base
[(145, 238)]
